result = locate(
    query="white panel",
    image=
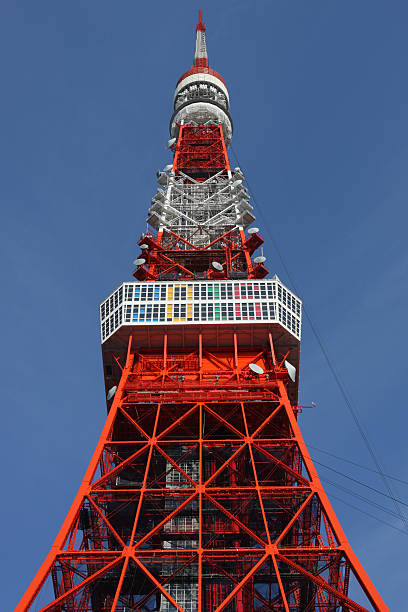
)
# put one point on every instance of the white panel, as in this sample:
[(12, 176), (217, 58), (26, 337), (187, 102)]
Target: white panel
[(202, 112), (201, 76), (203, 302)]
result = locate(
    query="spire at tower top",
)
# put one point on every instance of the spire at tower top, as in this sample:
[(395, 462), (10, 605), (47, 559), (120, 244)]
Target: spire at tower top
[(200, 65), (200, 56), (200, 24)]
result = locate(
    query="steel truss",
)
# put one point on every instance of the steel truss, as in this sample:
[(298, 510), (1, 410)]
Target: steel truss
[(200, 214), (209, 504)]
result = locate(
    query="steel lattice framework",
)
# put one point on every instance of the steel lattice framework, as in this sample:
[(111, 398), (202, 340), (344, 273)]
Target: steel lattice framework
[(201, 494)]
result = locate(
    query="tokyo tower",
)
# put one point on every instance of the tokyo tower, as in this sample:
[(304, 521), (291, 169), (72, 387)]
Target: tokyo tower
[(201, 494)]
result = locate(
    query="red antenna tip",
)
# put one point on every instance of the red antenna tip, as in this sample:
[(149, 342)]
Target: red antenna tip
[(200, 24)]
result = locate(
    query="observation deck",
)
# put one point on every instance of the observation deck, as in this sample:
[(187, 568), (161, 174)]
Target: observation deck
[(182, 315), (137, 305)]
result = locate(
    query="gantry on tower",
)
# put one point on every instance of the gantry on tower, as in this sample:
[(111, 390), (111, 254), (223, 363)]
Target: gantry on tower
[(201, 495)]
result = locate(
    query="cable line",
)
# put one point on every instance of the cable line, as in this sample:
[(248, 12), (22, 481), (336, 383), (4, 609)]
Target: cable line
[(363, 467), (336, 377), (365, 499), (361, 483), (369, 514)]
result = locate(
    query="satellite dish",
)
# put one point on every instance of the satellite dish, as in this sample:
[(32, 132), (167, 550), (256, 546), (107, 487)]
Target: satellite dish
[(217, 266), (144, 246), (111, 393), (171, 142), (168, 168), (291, 371), (253, 230), (139, 262), (260, 259), (256, 369), (236, 183)]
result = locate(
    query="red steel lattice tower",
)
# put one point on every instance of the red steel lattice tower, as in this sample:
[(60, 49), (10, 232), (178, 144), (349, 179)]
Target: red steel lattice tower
[(201, 495)]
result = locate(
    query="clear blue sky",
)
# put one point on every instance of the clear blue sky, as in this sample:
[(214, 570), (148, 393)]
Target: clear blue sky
[(319, 97)]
